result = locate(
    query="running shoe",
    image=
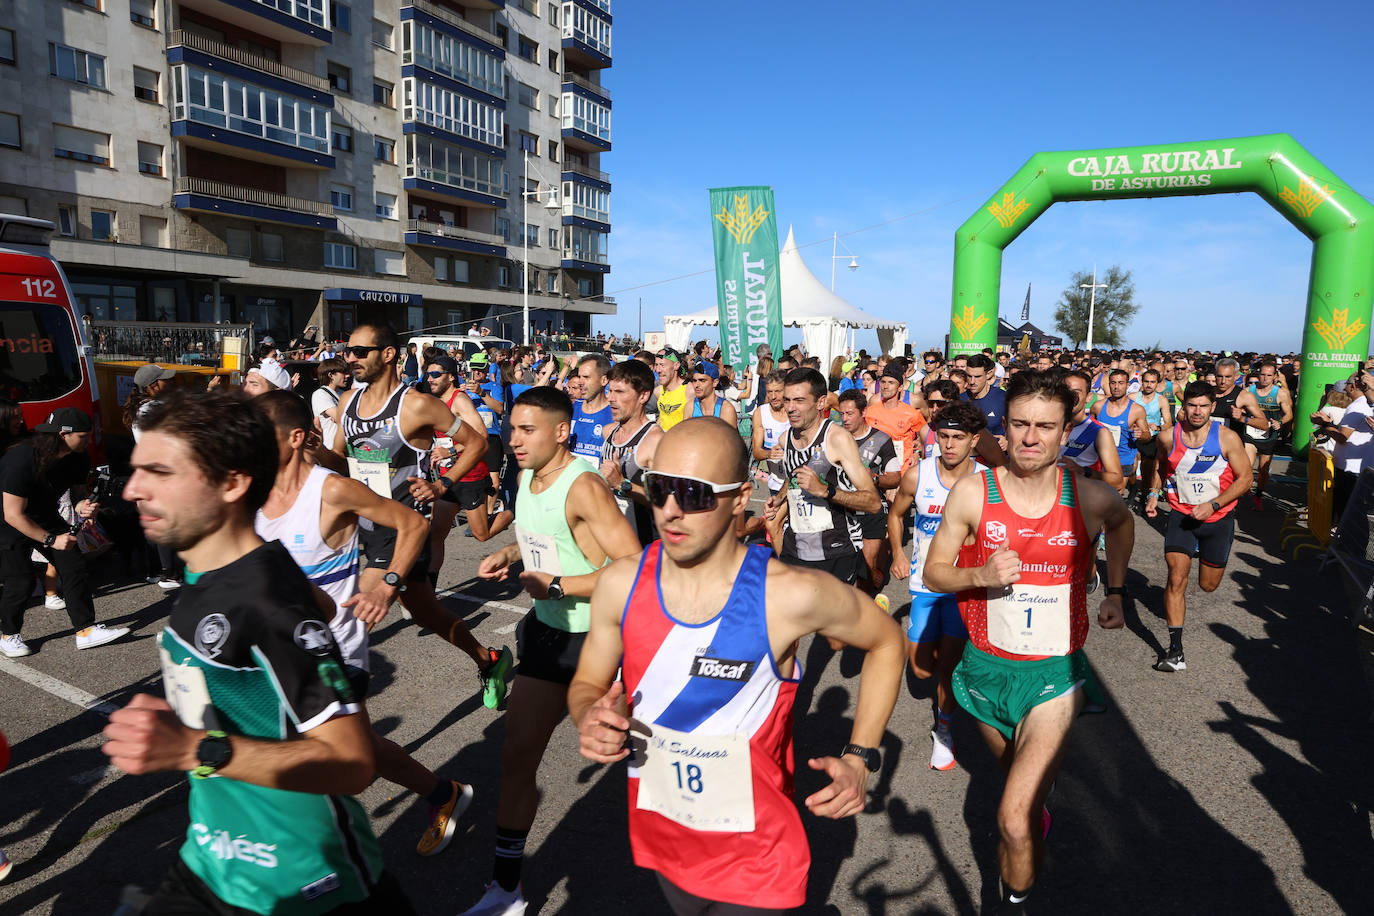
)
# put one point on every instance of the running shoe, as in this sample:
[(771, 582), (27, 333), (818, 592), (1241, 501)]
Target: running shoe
[(5, 865), (14, 646), (54, 603), (883, 603), (99, 635), (494, 679), (1256, 502), (942, 747), (443, 820), (1171, 661), (498, 901), (168, 583)]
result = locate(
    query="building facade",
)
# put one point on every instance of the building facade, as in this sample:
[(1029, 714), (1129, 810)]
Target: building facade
[(307, 162)]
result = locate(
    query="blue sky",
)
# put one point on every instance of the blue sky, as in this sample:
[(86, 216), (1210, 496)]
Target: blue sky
[(858, 114)]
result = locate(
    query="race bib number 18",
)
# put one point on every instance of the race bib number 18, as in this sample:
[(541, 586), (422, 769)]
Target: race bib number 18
[(703, 782)]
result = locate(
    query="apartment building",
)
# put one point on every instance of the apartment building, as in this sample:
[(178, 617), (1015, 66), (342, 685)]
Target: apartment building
[(298, 162)]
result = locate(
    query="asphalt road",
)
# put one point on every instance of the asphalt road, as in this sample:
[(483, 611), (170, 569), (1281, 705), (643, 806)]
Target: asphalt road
[(1238, 786)]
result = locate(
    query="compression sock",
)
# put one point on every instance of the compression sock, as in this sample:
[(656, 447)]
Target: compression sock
[(510, 856), (943, 718), (1175, 638), (443, 791)]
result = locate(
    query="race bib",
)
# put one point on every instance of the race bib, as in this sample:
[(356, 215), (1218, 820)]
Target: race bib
[(900, 446), (186, 692), (703, 782), (373, 471), (1196, 489), (1116, 433), (807, 514), (539, 552), (445, 442), (626, 508), (1030, 619), (920, 553)]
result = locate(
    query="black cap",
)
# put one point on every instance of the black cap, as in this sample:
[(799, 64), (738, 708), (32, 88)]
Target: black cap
[(65, 420), (446, 363)]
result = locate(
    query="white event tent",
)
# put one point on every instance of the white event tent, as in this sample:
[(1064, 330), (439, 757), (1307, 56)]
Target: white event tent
[(807, 303)]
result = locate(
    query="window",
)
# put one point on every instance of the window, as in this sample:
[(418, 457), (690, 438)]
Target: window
[(149, 158), (553, 14), (78, 66), (6, 46), (503, 33), (341, 197), (527, 49), (102, 225), (66, 221), (585, 27), (340, 77), (527, 95), (383, 149), (584, 287), (142, 12), (389, 262), (19, 206), (210, 97), (384, 94), (152, 232), (503, 227), (553, 150), (552, 106), (341, 14), (553, 61), (453, 112), (581, 113), (238, 243), (450, 57), (529, 143), (340, 257), (271, 245), (503, 275), (9, 130), (381, 34), (341, 137), (441, 268), (415, 317), (532, 235), (460, 270), (553, 239), (81, 145), (552, 281), (146, 84), (386, 206), (93, 4)]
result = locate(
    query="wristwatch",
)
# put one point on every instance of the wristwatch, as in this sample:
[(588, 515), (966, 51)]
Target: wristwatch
[(1216, 506), (445, 482), (555, 589), (869, 755), (213, 753), (625, 488), (395, 581), (1116, 590), (830, 491), (49, 540)]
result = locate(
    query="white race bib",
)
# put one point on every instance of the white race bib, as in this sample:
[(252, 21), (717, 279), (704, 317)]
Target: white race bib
[(920, 553), (376, 474), (186, 692), (1116, 433), (807, 514), (1196, 489), (539, 551), (1030, 619), (900, 446), (703, 782)]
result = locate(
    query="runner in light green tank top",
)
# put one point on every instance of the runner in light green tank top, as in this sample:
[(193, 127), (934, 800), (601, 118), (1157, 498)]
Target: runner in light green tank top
[(547, 544)]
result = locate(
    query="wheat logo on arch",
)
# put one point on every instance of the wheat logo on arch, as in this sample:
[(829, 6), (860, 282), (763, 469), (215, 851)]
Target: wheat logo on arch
[(1308, 197), (742, 224), (1340, 331), (1008, 209)]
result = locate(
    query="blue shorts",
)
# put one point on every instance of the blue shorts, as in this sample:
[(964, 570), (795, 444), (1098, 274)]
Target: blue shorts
[(933, 616)]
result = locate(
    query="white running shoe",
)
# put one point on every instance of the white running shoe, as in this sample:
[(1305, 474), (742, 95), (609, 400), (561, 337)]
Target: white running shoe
[(99, 635), (54, 603), (498, 901), (14, 646), (942, 748), (167, 582)]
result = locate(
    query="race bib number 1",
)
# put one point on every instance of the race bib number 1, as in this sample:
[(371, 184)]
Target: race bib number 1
[(703, 782), (373, 469), (1030, 619)]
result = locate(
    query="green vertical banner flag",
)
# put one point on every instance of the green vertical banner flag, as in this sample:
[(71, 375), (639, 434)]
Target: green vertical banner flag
[(748, 288)]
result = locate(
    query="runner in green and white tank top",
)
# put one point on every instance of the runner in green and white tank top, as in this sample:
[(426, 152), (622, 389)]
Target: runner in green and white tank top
[(547, 545)]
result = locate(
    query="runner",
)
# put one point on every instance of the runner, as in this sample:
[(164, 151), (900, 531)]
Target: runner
[(770, 427), (1207, 471), (1235, 405), (386, 432), (733, 843), (471, 491), (706, 401), (938, 393), (1158, 415), (314, 513), (1023, 536), (334, 379), (567, 527), (1125, 420), (629, 447), (592, 414), (987, 396), (488, 397), (261, 701), (889, 413), (671, 394), (936, 633), (878, 454), (1277, 405), (1089, 449)]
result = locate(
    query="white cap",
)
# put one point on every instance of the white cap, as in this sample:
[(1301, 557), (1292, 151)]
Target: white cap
[(274, 373)]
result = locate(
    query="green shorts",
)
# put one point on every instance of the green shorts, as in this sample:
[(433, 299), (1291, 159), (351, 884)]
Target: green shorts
[(1000, 691)]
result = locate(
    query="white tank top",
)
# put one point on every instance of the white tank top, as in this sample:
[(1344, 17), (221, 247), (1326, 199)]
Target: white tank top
[(929, 503), (334, 571), (774, 431)]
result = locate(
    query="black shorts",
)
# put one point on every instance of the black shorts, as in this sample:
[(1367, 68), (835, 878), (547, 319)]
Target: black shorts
[(1209, 541), (685, 904), (359, 680), (469, 494), (380, 546), (547, 653), (1263, 446), (1149, 449), (183, 894), (849, 568), (873, 525), (495, 452)]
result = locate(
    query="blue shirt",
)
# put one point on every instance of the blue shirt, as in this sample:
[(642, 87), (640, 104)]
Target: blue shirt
[(848, 383), (588, 431), (994, 407)]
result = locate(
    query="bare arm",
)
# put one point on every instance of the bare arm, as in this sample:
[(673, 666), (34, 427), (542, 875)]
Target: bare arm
[(896, 520), (1111, 461), (594, 691), (844, 451), (15, 506), (1233, 450), (1103, 506), (760, 453), (345, 495)]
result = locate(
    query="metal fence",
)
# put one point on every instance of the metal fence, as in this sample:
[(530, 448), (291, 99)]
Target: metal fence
[(164, 342)]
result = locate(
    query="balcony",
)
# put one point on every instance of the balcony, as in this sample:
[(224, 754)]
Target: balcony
[(188, 47), (583, 259), (578, 171), (572, 79), (455, 238), (586, 35), (450, 18), (296, 21), (203, 195)]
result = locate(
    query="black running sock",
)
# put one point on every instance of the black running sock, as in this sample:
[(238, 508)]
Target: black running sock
[(1013, 901), (510, 856), (1175, 639), (441, 794)]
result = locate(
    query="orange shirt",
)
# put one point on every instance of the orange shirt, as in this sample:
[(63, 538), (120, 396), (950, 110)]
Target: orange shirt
[(902, 422)]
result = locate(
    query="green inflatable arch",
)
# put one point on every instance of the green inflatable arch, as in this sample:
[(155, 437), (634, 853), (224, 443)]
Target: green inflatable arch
[(1339, 222)]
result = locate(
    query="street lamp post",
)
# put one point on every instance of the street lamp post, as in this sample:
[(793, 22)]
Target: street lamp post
[(525, 196), (1093, 287), (853, 265)]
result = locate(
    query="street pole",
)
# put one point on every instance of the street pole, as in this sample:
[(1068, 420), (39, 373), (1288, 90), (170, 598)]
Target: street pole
[(525, 246), (834, 245), (641, 318), (1092, 303)]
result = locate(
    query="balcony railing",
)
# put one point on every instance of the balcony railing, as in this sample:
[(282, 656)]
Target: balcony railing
[(586, 84), (453, 19), (582, 169), (590, 257), (223, 191), (454, 232), (185, 39)]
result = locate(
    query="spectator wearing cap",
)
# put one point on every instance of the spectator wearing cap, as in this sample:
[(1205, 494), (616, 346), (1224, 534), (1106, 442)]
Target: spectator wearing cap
[(34, 476), (706, 400), (849, 376), (149, 382), (889, 413), (269, 375)]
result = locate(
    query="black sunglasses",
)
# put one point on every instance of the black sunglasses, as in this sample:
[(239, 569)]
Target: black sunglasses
[(692, 493), (929, 361), (936, 402), (359, 352), (436, 373)]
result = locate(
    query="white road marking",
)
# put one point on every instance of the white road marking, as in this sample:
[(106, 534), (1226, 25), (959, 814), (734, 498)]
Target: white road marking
[(471, 599), (95, 775), (60, 689), (508, 628)]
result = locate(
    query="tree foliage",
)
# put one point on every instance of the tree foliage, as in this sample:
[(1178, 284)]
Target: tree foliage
[(1113, 309)]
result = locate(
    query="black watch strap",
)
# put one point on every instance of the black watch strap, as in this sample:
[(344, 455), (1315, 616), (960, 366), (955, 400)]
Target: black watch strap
[(869, 755), (1116, 590), (49, 540)]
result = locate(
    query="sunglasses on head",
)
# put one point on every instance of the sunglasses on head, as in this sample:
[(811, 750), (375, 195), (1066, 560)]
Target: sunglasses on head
[(692, 493), (359, 352)]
